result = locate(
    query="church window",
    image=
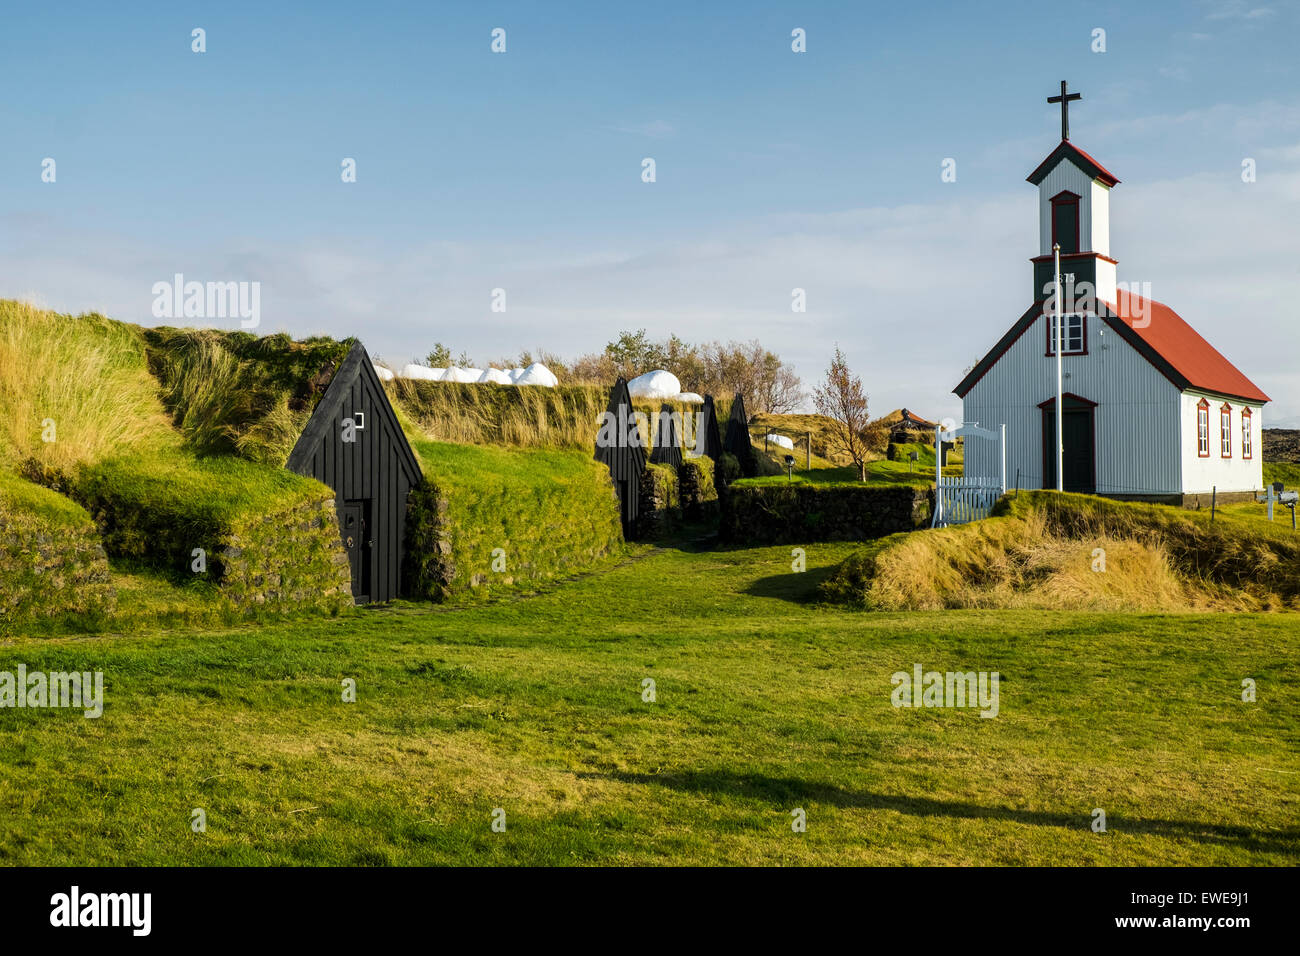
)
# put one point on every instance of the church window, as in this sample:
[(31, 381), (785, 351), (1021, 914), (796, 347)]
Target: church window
[(1203, 429), (1225, 431), (1247, 438), (1076, 334), (1065, 222)]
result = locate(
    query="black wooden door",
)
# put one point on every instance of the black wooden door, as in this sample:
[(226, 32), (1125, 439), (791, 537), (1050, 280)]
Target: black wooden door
[(1080, 448), (1076, 426), (354, 528)]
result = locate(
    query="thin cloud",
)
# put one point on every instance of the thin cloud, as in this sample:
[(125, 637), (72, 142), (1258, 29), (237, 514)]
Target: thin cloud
[(655, 129)]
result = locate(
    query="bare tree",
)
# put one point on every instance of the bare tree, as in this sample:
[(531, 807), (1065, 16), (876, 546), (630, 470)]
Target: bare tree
[(841, 399)]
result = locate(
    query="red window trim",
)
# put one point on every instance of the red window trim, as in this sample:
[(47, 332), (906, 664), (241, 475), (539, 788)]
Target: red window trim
[(1203, 408), (1047, 344), (1225, 430), (1064, 198), (1247, 434)]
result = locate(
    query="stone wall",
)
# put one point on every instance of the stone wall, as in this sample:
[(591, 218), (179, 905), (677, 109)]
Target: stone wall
[(660, 509), (698, 491), (51, 561), (290, 558), (788, 513)]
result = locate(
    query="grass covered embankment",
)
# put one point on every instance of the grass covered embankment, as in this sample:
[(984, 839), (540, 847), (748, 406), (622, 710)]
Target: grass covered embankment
[(1048, 550), (488, 519), (88, 422)]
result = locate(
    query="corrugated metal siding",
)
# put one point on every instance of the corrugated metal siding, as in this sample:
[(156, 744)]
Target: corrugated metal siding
[(1137, 424), (1066, 175), (1203, 475)]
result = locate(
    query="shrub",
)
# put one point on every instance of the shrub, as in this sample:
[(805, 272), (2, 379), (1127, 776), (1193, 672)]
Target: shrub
[(51, 561), (728, 468)]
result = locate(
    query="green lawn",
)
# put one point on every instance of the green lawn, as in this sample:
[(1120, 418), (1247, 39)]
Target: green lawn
[(881, 472), (765, 704)]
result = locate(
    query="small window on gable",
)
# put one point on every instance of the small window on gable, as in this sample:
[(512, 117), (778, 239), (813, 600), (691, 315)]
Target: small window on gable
[(1065, 222), (1225, 431), (1076, 334), (1247, 435), (1203, 429)]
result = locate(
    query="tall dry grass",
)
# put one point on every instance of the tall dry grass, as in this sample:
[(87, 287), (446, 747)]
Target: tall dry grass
[(1019, 563), (226, 405), (1041, 551), (88, 376), (567, 416)]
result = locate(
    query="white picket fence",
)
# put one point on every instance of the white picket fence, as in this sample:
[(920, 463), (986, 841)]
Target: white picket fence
[(959, 499)]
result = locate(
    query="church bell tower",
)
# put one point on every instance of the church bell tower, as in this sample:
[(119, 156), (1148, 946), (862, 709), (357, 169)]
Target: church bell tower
[(1073, 210)]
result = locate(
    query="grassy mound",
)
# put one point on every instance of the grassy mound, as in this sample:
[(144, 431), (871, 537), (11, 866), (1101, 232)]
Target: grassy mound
[(51, 561), (233, 393), (488, 518), (268, 536), (1049, 550), (75, 388)]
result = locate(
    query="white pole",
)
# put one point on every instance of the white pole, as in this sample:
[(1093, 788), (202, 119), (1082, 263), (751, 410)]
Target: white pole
[(1060, 398), (938, 477), (1003, 446)]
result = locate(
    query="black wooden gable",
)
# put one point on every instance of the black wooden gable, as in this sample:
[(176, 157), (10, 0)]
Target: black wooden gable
[(707, 431), (354, 443), (737, 441), (668, 441), (620, 446)]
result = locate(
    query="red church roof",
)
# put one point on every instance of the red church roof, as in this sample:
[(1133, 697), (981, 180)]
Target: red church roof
[(1159, 334), (1068, 150), (1198, 363)]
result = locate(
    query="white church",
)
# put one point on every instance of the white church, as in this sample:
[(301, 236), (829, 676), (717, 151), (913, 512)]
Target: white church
[(1150, 409)]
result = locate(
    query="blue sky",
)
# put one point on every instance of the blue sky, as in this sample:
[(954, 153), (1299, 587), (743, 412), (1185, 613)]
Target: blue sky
[(775, 170)]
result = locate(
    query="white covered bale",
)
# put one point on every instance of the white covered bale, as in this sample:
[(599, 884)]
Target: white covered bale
[(537, 374), (656, 384), (690, 398), (423, 372), (385, 374), (782, 441), (458, 374), (496, 376)]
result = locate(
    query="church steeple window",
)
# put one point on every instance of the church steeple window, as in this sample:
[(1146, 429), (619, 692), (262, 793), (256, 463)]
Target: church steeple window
[(1065, 222)]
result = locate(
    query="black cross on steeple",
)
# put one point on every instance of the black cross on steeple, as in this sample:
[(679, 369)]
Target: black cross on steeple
[(1064, 99)]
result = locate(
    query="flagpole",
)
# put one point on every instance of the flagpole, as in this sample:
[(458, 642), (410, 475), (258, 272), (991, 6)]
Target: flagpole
[(1060, 347)]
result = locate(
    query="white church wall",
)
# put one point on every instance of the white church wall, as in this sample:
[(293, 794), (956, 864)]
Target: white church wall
[(1203, 475), (1066, 176), (1106, 282), (1100, 209), (1136, 422)]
